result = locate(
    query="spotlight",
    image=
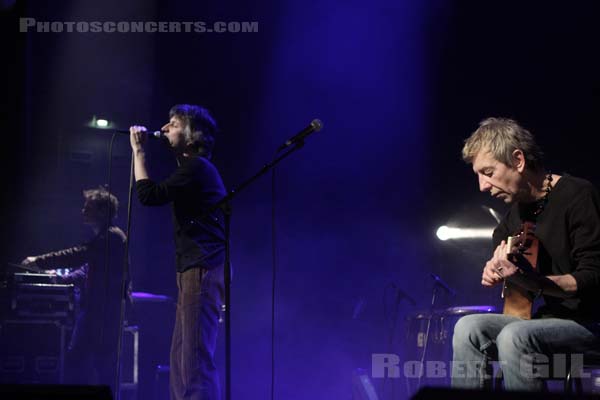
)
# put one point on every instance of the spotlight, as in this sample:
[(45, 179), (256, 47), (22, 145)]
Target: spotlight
[(101, 123), (446, 233)]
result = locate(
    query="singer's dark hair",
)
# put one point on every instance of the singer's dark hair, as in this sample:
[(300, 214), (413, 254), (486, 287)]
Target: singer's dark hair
[(200, 127)]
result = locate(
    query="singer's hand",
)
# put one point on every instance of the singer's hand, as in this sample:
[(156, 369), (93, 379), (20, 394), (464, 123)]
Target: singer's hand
[(137, 137)]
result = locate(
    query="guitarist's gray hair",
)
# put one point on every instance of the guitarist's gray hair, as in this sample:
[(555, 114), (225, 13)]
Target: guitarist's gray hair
[(501, 137)]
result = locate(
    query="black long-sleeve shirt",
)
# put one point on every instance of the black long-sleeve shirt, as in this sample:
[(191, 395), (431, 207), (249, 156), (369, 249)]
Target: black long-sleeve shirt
[(192, 189), (101, 282), (100, 279), (568, 230)]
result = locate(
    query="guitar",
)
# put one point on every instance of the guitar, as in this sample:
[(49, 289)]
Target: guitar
[(518, 301)]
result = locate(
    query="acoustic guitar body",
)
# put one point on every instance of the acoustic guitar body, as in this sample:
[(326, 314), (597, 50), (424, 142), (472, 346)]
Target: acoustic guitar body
[(518, 302)]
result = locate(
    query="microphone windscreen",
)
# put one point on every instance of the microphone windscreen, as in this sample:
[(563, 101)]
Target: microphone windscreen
[(316, 124)]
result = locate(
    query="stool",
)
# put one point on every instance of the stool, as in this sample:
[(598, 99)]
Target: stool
[(573, 380), (130, 362)]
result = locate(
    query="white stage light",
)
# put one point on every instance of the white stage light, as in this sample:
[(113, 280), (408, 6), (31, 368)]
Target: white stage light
[(101, 123), (449, 233)]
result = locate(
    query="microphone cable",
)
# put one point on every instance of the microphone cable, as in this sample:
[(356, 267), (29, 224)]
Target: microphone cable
[(273, 282), (125, 273)]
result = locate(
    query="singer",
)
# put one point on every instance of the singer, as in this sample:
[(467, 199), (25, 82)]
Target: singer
[(193, 187)]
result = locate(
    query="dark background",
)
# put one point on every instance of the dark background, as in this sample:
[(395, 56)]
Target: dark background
[(398, 85)]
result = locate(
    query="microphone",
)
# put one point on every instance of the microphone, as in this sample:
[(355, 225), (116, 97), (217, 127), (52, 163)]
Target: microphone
[(443, 285), (153, 135), (315, 126)]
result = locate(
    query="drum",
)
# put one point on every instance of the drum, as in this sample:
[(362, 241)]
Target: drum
[(429, 344), (144, 297), (449, 317)]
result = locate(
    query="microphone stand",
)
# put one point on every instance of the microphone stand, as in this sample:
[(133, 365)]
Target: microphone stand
[(124, 288), (438, 283), (225, 206)]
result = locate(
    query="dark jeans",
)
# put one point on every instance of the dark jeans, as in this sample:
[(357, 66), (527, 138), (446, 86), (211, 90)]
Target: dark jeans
[(193, 373)]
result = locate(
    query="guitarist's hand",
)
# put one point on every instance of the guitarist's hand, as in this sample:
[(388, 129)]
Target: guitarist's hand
[(498, 267)]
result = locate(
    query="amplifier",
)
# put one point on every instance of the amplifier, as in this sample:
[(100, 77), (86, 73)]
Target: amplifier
[(32, 351), (42, 300), (29, 296)]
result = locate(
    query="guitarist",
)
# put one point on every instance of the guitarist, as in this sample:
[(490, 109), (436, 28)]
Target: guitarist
[(564, 213)]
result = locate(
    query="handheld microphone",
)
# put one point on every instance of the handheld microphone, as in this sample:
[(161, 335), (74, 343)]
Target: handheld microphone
[(153, 135), (315, 126)]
